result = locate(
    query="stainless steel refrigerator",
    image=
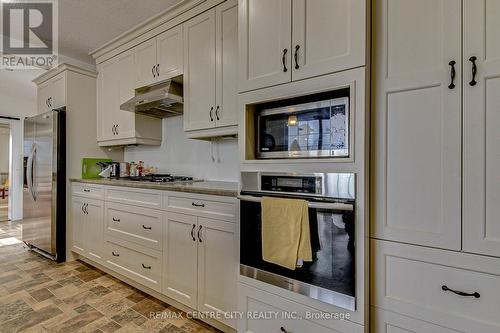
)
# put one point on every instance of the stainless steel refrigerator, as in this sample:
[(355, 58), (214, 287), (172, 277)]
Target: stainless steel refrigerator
[(44, 193)]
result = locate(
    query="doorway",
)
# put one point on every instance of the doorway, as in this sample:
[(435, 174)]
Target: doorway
[(5, 162)]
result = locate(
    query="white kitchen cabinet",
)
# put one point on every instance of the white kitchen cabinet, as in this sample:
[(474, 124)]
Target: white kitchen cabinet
[(226, 18), (265, 30), (200, 265), (391, 322), (481, 134), (169, 53), (52, 94), (145, 63), (327, 36), (159, 58), (287, 40), (199, 72), (210, 79), (87, 217), (416, 136), (180, 258), (217, 267), (78, 219), (116, 82)]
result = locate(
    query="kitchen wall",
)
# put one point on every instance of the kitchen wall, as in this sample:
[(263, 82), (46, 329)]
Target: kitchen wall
[(183, 156)]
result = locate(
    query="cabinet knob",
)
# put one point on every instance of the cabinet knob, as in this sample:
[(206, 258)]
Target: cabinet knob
[(199, 237), (197, 205), (115, 254), (217, 112), (296, 56), (282, 329), (192, 232), (147, 228), (211, 116), (153, 71), (116, 220), (158, 70), (474, 71), (452, 74), (146, 267)]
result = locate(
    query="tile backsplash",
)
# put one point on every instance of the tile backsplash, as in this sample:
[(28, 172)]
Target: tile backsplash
[(180, 155)]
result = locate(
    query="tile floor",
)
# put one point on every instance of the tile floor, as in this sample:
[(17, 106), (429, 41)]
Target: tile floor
[(38, 295)]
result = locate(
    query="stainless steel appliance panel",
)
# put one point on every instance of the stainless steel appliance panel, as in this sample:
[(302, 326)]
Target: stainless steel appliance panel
[(39, 221)]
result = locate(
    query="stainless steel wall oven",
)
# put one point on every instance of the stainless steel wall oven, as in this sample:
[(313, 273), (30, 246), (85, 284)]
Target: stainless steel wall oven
[(330, 277)]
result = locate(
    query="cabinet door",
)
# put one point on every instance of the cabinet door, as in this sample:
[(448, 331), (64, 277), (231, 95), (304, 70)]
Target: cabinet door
[(416, 122), (107, 100), (94, 229), (180, 258), (327, 36), (145, 63), (79, 229), (126, 76), (57, 92), (217, 266), (42, 95), (169, 53), (481, 186), (199, 72), (264, 43), (227, 64)]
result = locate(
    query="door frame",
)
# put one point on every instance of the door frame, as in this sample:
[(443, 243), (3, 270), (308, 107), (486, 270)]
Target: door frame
[(15, 167)]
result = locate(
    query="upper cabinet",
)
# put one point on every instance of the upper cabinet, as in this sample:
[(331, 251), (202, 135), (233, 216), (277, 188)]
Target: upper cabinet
[(210, 72), (159, 58), (288, 40), (115, 85), (51, 94), (416, 130)]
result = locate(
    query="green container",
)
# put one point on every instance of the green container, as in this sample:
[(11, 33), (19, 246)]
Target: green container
[(90, 170)]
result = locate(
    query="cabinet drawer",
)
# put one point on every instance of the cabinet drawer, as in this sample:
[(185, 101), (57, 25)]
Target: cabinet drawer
[(134, 196), (92, 191), (293, 317), (201, 205), (143, 266), (409, 280), (390, 322), (138, 225)]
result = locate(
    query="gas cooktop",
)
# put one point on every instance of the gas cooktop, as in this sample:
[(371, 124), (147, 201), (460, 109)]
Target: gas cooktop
[(163, 178)]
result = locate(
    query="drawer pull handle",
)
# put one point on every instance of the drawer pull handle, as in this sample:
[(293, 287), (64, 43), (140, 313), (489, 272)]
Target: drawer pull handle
[(282, 329), (115, 254), (461, 293), (86, 190), (197, 205), (146, 267), (116, 220), (147, 228)]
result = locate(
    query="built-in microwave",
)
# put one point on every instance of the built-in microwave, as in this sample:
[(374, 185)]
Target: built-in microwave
[(314, 129)]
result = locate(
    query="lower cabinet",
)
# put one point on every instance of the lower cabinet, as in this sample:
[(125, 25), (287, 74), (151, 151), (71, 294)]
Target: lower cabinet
[(283, 315), (140, 264), (449, 289), (88, 227), (391, 322), (163, 241), (200, 264)]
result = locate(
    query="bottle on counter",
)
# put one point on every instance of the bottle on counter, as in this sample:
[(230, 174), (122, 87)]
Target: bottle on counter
[(133, 169), (140, 169)]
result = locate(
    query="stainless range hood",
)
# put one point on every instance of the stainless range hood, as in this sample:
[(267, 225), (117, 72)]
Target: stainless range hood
[(161, 100)]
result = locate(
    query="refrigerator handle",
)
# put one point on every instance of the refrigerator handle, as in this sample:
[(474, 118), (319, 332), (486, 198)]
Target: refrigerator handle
[(29, 171)]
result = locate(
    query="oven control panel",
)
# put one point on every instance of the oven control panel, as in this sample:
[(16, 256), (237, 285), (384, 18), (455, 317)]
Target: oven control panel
[(291, 184)]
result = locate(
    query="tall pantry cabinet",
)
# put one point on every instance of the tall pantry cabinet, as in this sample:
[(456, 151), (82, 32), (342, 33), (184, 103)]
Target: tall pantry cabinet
[(435, 161)]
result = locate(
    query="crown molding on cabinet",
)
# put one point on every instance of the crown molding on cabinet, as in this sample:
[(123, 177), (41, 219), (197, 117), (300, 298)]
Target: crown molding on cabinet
[(164, 21), (61, 68)]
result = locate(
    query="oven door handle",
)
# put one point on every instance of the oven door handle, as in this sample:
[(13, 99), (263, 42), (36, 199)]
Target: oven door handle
[(312, 204)]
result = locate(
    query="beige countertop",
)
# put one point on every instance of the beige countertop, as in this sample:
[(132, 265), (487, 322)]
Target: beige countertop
[(228, 189)]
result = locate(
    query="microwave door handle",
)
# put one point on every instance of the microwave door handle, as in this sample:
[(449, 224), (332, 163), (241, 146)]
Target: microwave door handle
[(315, 205)]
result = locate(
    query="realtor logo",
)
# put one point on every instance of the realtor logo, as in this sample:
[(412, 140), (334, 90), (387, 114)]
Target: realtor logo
[(29, 34)]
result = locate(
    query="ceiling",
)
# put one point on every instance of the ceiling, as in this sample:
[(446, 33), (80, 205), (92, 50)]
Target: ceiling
[(84, 25)]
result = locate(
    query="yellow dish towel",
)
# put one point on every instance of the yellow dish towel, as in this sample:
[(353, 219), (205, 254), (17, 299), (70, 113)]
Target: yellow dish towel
[(286, 236)]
